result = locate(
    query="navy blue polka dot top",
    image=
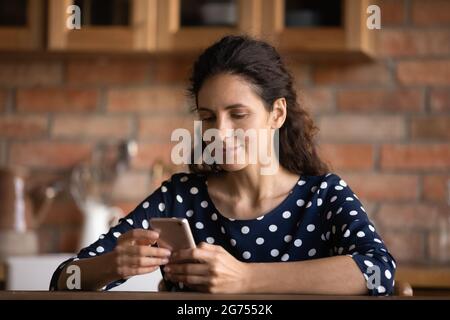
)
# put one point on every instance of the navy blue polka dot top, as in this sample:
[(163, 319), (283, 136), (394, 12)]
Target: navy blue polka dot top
[(321, 217)]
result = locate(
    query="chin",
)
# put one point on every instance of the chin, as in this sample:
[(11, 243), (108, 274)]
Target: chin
[(232, 167)]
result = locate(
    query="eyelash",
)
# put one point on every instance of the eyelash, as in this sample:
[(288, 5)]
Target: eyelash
[(236, 116)]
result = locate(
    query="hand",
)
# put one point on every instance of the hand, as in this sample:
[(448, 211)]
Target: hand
[(208, 268), (134, 254)]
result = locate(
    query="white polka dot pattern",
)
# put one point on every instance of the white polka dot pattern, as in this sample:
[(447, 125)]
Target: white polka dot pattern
[(321, 216)]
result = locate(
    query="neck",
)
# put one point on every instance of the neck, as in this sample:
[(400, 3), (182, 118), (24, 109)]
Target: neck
[(250, 184)]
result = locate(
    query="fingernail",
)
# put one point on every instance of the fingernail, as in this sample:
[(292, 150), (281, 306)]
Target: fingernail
[(164, 261)]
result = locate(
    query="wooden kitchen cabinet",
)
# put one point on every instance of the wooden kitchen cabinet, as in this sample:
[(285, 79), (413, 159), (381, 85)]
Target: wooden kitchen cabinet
[(311, 28), (21, 25), (325, 27), (113, 25), (185, 25)]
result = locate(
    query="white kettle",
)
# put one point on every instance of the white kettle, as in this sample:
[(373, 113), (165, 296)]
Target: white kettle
[(98, 218)]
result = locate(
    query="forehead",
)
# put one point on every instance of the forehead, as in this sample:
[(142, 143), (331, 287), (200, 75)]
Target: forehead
[(226, 89)]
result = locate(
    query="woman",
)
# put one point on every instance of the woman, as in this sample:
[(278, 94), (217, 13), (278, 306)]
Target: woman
[(300, 230)]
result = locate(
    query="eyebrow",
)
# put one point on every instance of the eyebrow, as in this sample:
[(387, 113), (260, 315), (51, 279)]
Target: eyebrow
[(231, 106)]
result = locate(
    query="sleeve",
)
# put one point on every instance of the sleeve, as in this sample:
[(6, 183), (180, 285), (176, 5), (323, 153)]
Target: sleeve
[(156, 205), (353, 234)]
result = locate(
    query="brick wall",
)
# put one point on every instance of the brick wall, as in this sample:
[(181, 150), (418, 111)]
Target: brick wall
[(385, 125)]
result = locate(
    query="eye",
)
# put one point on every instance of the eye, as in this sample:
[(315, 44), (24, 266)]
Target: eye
[(239, 115), (208, 119), (205, 116)]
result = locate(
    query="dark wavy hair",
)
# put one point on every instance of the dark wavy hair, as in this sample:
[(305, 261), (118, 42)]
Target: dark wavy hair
[(260, 64)]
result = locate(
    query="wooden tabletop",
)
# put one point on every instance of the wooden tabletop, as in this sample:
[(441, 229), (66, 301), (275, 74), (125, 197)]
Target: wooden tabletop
[(69, 295), (420, 276)]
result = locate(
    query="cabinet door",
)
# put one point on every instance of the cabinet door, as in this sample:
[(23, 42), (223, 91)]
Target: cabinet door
[(319, 27), (191, 25), (106, 25), (21, 24)]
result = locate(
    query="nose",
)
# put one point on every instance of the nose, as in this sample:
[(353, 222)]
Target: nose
[(225, 128)]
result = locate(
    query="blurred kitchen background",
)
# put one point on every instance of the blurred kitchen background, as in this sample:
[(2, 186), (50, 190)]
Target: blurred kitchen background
[(86, 114)]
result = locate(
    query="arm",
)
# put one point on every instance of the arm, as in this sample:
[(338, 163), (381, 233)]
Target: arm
[(337, 275), (95, 272), (132, 256), (123, 252), (219, 272)]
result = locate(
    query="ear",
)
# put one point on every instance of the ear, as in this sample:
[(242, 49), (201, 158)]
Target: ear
[(278, 114)]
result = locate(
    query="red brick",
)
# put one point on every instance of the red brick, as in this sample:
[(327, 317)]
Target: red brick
[(416, 157), (439, 245), (405, 246), (424, 72), (361, 128), (170, 70), (13, 126), (392, 12), (431, 13), (57, 100), (161, 127), (409, 216), (149, 153), (108, 71), (316, 100), (63, 212), (370, 207), (348, 156), (436, 188), (98, 127), (3, 97), (300, 72), (69, 239), (358, 74), (431, 127), (384, 187), (49, 154), (401, 100), (126, 206), (440, 100), (29, 73), (132, 185), (150, 99), (413, 43)]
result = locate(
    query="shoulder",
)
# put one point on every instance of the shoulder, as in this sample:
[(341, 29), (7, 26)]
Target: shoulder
[(182, 184), (329, 181), (330, 188), (182, 180)]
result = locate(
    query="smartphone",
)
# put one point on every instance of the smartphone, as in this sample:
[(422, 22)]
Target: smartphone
[(174, 233)]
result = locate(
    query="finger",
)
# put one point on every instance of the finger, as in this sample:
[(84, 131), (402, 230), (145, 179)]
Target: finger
[(143, 251), (144, 237), (125, 272), (189, 279), (198, 287), (209, 247), (188, 268), (190, 255), (135, 261)]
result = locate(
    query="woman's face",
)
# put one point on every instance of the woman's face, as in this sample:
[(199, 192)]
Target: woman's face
[(228, 102)]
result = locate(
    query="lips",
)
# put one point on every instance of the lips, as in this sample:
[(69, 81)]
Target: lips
[(231, 149)]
